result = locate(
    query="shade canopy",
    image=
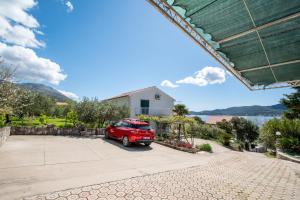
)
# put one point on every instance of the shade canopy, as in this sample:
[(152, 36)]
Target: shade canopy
[(256, 40)]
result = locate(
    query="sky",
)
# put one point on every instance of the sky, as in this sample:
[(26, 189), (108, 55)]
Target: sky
[(100, 49)]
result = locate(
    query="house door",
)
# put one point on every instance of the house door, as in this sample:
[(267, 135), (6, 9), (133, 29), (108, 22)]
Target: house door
[(145, 107)]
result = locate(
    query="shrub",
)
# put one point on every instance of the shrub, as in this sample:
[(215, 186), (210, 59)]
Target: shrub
[(204, 147), (288, 141), (225, 125), (72, 117), (43, 119), (288, 144), (225, 138), (205, 131), (245, 130)]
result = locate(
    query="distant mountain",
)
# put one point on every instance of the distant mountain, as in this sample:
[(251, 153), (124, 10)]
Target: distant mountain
[(45, 90), (273, 110)]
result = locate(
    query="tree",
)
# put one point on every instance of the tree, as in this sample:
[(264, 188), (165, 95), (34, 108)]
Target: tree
[(87, 110), (111, 112), (292, 102), (225, 125), (245, 130), (198, 120), (8, 90), (180, 110), (41, 105), (288, 141), (23, 104), (72, 117)]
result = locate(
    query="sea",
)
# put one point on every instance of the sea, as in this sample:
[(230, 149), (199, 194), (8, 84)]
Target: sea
[(258, 120)]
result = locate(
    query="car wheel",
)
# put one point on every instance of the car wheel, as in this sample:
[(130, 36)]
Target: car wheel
[(125, 141), (106, 135), (147, 143)]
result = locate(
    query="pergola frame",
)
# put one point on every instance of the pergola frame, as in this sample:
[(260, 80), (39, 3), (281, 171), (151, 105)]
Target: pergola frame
[(168, 11)]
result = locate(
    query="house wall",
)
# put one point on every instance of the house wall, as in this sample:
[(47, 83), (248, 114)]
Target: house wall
[(162, 107), (122, 101)]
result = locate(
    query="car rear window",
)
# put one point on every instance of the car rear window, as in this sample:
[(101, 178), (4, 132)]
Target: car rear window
[(141, 127)]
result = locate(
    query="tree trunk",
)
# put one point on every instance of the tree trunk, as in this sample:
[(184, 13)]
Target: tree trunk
[(179, 132)]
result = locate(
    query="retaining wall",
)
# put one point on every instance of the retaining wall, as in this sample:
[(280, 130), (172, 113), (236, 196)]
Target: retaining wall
[(56, 131), (4, 133), (284, 156)]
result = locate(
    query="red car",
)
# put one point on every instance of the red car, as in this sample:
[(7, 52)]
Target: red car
[(131, 131)]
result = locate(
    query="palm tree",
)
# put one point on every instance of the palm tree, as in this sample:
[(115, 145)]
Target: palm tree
[(180, 110)]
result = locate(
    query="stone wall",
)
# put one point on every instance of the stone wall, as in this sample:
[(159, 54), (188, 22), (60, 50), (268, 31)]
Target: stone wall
[(284, 156), (4, 133), (56, 131)]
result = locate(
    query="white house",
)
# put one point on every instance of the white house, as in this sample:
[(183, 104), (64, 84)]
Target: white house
[(147, 101)]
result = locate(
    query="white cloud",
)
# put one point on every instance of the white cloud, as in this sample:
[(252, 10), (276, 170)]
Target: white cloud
[(70, 6), (16, 10), (31, 67), (167, 83), (207, 75), (71, 95), (16, 25), (18, 35), (18, 30)]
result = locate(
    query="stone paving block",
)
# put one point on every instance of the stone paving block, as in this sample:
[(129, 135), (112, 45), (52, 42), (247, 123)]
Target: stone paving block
[(240, 177)]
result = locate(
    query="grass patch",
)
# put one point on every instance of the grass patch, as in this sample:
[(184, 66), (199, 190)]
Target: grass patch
[(204, 147), (29, 122)]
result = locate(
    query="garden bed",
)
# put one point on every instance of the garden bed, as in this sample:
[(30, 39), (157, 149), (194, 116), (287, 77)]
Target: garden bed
[(180, 148)]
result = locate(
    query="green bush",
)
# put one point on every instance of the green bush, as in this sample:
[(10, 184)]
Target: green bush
[(204, 147), (288, 144), (288, 141), (225, 138), (205, 131), (43, 119)]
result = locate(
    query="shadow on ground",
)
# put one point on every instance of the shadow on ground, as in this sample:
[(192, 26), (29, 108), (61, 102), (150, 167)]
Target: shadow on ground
[(131, 148)]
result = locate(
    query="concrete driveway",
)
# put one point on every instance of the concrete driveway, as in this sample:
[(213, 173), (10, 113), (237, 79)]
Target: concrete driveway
[(38, 164), (31, 165)]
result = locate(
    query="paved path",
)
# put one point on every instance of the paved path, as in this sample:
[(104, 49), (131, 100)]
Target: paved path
[(167, 174), (241, 176)]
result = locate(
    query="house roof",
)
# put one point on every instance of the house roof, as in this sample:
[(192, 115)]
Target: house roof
[(136, 91), (215, 119), (257, 41)]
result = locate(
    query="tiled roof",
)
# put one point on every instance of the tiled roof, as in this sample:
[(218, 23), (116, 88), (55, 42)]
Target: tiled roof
[(135, 91), (215, 119), (129, 93)]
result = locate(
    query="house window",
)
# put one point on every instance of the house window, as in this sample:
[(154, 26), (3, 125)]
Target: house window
[(157, 97)]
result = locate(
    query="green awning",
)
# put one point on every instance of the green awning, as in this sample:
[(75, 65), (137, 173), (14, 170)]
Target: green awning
[(257, 40)]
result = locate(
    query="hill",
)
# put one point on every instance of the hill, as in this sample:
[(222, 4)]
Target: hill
[(45, 90), (245, 111)]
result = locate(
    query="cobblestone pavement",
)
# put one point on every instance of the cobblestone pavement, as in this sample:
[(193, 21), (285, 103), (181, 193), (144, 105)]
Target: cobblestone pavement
[(239, 176)]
